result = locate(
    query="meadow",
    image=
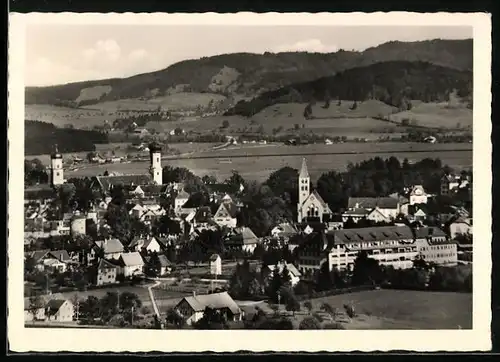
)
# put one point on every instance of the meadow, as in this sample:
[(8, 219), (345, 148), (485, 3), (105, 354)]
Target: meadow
[(404, 309), (221, 163)]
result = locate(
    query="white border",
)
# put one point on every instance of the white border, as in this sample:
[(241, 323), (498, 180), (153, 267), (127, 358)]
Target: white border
[(50, 340)]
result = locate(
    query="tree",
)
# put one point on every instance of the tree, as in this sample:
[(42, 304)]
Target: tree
[(129, 304), (286, 279), (212, 319), (108, 306), (225, 124), (173, 317), (327, 308), (354, 106), (35, 304), (275, 285), (366, 270), (309, 323), (292, 304), (308, 306), (308, 111)]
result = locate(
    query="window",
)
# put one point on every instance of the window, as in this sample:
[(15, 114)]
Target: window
[(157, 159), (57, 173)]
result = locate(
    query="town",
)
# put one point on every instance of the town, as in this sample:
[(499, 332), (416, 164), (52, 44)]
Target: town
[(167, 249)]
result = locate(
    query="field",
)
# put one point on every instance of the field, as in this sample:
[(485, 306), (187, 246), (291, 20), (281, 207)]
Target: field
[(261, 160), (437, 115), (61, 116), (401, 309), (173, 101)]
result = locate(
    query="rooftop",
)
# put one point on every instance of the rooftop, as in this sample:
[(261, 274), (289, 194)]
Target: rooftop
[(215, 301)]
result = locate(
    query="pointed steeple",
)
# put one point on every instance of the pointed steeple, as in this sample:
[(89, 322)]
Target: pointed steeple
[(303, 170)]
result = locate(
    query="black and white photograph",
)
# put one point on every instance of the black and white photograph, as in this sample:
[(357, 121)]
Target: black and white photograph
[(246, 172)]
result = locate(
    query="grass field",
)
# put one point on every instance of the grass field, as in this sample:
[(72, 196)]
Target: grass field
[(401, 309), (437, 115), (259, 168)]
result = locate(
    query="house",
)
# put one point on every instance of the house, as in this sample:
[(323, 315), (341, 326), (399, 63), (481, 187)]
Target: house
[(267, 272), (193, 308), (150, 215), (104, 184), (179, 201), (389, 206), (40, 312), (376, 215), (148, 244), (242, 239), (418, 195), (449, 183), (215, 264), (141, 132), (355, 214), (50, 260), (434, 246), (106, 272), (165, 265), (226, 214), (284, 230), (131, 264), (201, 218), (107, 249), (461, 225), (60, 310), (32, 312), (417, 212)]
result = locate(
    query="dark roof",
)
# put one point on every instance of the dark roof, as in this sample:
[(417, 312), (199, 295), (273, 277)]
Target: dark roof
[(60, 255), (54, 305), (243, 236), (43, 192), (359, 235), (203, 214), (231, 208), (36, 255), (106, 182), (104, 264), (164, 262), (304, 173), (214, 257), (424, 232), (372, 202)]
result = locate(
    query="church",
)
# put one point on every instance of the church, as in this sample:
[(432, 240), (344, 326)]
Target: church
[(311, 206)]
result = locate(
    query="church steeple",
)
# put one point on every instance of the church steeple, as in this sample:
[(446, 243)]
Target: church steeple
[(304, 188)]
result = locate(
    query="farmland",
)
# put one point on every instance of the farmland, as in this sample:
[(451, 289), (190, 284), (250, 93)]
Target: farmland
[(259, 161)]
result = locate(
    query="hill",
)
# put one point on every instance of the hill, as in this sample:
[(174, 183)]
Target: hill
[(392, 82), (40, 138), (245, 74)]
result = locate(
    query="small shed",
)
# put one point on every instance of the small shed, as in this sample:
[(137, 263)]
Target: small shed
[(215, 264)]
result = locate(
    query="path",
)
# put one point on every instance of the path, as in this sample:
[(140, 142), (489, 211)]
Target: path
[(153, 302)]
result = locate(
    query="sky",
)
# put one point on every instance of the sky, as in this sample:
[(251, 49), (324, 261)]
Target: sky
[(58, 54)]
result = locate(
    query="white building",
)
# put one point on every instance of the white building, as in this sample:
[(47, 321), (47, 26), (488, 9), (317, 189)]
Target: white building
[(267, 272), (215, 264), (56, 168), (155, 168), (418, 195), (131, 264)]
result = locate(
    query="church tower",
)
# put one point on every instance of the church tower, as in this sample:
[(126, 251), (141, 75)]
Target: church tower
[(155, 168), (304, 191), (56, 168)]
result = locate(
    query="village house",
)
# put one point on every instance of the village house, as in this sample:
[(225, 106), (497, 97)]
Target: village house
[(165, 265), (106, 272), (60, 310), (148, 244), (179, 201), (449, 183), (418, 195), (109, 248), (47, 260), (192, 308), (376, 215), (417, 212), (226, 214), (215, 262), (242, 239), (201, 218), (267, 272), (38, 311), (461, 226), (434, 247), (284, 230), (355, 214), (104, 184), (389, 206), (130, 264)]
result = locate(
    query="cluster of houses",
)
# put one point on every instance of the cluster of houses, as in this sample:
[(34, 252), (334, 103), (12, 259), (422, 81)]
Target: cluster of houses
[(317, 236)]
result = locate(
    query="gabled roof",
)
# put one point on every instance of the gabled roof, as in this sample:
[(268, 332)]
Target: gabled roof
[(132, 259), (182, 195), (106, 182), (164, 262), (203, 214), (287, 228), (291, 268), (104, 264), (372, 202), (110, 246), (357, 212), (60, 255), (304, 173), (320, 199), (418, 190), (244, 236), (149, 241), (230, 207), (215, 301), (214, 257), (36, 255)]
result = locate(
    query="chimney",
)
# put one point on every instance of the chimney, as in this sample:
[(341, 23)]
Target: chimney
[(431, 230)]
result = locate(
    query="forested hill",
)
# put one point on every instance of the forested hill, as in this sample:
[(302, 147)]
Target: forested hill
[(40, 138), (392, 82), (251, 74)]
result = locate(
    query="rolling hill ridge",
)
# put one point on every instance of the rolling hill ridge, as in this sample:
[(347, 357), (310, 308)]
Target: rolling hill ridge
[(245, 74)]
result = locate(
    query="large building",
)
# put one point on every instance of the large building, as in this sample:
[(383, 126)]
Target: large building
[(56, 168), (311, 206)]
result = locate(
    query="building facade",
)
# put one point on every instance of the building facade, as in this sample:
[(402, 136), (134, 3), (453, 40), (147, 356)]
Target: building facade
[(311, 205)]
